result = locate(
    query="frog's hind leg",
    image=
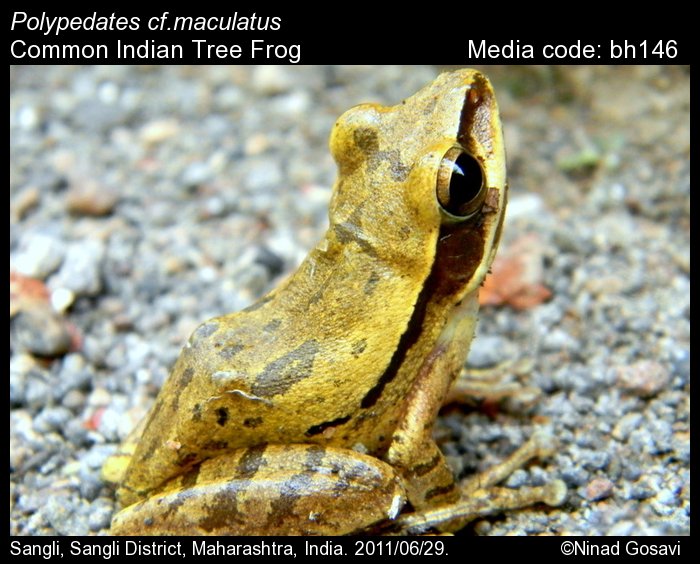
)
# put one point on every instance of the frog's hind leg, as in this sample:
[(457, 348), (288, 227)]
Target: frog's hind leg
[(295, 489)]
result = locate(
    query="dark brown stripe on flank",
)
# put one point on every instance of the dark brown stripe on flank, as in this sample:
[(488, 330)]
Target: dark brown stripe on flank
[(316, 429)]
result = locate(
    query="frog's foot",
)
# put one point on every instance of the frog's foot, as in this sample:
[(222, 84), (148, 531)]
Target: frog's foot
[(495, 384), (480, 497)]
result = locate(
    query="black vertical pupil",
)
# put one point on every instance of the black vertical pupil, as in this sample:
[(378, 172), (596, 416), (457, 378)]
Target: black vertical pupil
[(465, 183)]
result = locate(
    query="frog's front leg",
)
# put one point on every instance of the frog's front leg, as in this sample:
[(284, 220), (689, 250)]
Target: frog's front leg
[(439, 503), (271, 490)]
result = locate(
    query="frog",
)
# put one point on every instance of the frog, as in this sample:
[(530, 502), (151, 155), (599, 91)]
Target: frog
[(311, 411)]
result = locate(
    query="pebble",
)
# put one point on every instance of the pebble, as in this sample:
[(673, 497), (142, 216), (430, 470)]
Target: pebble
[(61, 518), (99, 118), (62, 299), (645, 378), (87, 197), (74, 374), (599, 488), (76, 433), (157, 131), (28, 118), (490, 350), (90, 484), (52, 419), (256, 144), (594, 459), (644, 488), (573, 475), (100, 515), (626, 425), (622, 529), (40, 331), (271, 79), (681, 446), (81, 270), (517, 479), (39, 257), (273, 263), (25, 201), (196, 173)]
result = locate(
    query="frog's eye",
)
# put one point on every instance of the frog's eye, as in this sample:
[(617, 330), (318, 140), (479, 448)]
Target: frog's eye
[(460, 184)]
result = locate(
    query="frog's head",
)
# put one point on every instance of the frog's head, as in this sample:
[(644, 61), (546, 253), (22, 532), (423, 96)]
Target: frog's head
[(430, 167)]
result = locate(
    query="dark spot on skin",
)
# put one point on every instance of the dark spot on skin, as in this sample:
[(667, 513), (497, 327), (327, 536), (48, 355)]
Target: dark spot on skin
[(229, 352), (204, 331), (366, 140), (440, 490), (215, 445), (190, 479), (358, 347), (348, 231), (399, 171), (371, 284), (272, 325), (358, 471), (180, 381), (250, 462), (148, 521), (429, 108), (340, 486), (314, 457), (197, 412), (316, 429), (221, 416), (186, 459), (257, 305), (316, 297), (252, 422), (223, 513), (186, 378), (423, 469), (295, 487), (281, 374)]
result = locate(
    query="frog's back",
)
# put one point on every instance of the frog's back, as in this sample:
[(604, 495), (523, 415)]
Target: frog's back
[(286, 370)]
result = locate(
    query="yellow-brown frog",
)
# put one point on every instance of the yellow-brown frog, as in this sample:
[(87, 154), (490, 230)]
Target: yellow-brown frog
[(311, 411)]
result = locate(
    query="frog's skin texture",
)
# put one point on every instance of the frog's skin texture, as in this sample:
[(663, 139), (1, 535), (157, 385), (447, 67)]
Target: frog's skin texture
[(311, 411)]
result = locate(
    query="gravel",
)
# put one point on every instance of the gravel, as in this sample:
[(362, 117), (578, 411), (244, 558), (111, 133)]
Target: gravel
[(144, 200)]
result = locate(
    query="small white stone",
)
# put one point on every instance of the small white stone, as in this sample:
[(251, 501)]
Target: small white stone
[(108, 93), (28, 118), (41, 256), (62, 299)]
